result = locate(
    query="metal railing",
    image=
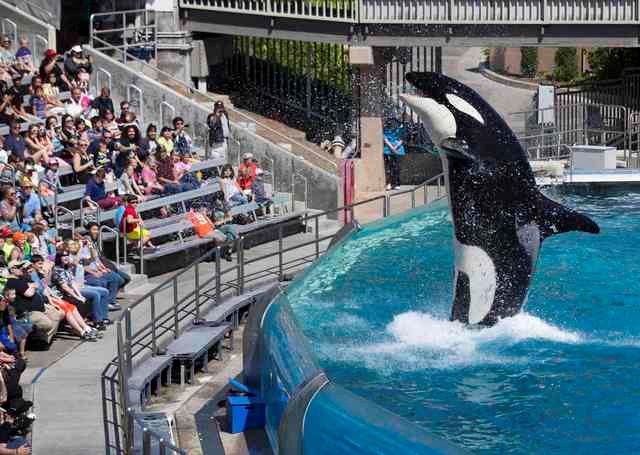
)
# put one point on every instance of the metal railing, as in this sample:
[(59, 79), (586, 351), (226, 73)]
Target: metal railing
[(131, 30), (116, 234), (435, 11), (545, 132), (436, 183), (163, 313)]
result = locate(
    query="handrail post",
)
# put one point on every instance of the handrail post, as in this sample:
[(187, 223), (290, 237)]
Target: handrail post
[(146, 441), (218, 277), (129, 437), (141, 251), (176, 322), (241, 266), (197, 284), (154, 344), (386, 206), (280, 272), (413, 199), (317, 229), (128, 336), (55, 206)]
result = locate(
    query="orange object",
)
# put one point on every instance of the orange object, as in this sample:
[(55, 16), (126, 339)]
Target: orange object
[(201, 224), (62, 305)]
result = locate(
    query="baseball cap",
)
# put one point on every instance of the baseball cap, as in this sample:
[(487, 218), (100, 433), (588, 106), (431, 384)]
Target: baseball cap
[(50, 53), (17, 236), (6, 232), (76, 48), (247, 156)]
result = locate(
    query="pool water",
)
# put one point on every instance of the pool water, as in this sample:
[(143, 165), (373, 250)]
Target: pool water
[(560, 377)]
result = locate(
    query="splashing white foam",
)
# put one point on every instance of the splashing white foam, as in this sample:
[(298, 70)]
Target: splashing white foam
[(423, 330), (421, 341)]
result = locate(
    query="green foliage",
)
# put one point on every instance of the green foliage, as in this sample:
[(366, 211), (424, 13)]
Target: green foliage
[(323, 62), (529, 61), (566, 64), (609, 63)]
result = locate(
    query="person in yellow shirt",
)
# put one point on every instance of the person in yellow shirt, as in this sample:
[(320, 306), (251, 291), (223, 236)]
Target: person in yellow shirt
[(166, 139)]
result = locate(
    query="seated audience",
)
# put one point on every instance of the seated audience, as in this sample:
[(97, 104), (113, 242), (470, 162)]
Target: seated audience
[(96, 191)]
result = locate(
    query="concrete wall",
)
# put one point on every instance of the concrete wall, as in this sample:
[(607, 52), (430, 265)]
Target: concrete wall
[(508, 59), (27, 25), (157, 101)]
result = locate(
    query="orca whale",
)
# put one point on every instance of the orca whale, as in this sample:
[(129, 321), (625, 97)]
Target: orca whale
[(499, 215)]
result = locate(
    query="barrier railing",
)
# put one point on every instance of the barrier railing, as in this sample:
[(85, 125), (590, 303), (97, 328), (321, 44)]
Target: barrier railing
[(100, 73), (436, 11), (131, 31), (164, 312)]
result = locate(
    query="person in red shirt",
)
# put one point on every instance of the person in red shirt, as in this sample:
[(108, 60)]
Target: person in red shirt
[(131, 223), (247, 172)]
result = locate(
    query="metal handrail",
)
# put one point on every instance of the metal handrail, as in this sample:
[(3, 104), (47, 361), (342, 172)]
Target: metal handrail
[(68, 212), (98, 85), (299, 176), (130, 88), (439, 181), (125, 30), (104, 227), (132, 345), (148, 434), (191, 90), (91, 205)]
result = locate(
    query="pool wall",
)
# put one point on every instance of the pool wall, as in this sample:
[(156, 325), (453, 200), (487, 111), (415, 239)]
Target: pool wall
[(305, 411)]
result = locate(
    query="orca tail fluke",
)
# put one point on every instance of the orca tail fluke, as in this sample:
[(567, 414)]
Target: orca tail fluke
[(557, 219)]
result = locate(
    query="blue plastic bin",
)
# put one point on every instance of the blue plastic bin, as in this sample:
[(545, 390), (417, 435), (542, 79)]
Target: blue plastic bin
[(244, 413)]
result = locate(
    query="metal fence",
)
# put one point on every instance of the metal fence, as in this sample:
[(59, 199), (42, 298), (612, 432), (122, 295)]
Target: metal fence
[(304, 85), (435, 11), (570, 124), (134, 32), (161, 315)]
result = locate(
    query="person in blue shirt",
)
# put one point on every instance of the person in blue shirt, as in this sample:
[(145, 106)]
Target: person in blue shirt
[(393, 150), (14, 143), (31, 208), (96, 191)]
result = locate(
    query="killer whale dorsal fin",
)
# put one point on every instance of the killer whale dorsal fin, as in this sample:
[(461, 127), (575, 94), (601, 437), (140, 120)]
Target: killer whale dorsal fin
[(557, 219)]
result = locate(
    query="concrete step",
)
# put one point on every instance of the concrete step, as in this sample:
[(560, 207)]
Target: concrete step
[(139, 285), (127, 268)]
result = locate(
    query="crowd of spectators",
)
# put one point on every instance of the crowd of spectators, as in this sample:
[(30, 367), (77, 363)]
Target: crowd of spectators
[(80, 141), (53, 144)]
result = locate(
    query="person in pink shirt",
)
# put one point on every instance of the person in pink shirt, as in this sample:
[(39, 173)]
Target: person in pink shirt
[(150, 177)]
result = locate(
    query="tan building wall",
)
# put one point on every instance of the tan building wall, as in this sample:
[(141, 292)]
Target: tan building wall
[(507, 60)]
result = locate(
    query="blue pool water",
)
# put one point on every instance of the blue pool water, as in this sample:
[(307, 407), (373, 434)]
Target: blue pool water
[(560, 377)]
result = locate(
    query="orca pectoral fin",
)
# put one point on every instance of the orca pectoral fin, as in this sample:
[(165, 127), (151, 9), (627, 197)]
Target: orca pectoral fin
[(557, 219)]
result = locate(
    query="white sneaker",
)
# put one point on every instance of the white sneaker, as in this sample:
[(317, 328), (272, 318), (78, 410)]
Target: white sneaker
[(388, 187)]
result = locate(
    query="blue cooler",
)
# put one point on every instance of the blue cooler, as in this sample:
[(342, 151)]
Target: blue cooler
[(244, 412)]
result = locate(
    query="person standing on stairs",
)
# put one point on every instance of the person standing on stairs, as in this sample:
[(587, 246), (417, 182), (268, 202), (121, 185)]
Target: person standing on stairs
[(219, 131)]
